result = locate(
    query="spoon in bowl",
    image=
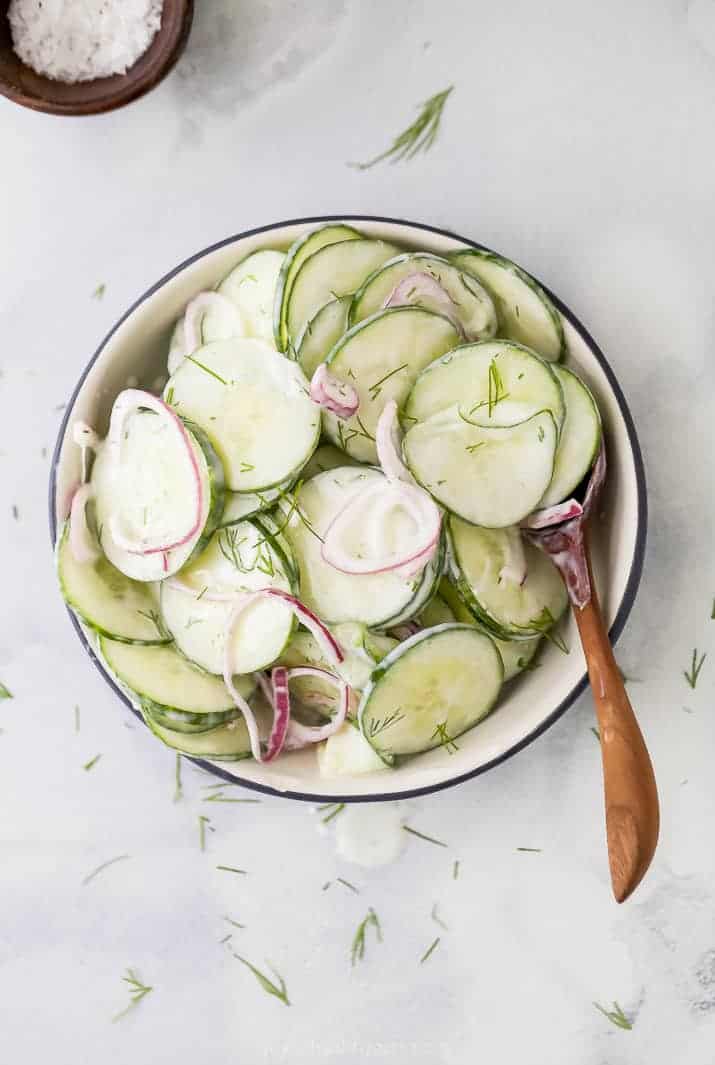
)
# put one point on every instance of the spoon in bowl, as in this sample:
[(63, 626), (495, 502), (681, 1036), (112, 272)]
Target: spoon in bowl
[(631, 796)]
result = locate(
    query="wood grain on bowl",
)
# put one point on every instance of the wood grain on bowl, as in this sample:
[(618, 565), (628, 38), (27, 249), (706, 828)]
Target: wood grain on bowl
[(24, 86)]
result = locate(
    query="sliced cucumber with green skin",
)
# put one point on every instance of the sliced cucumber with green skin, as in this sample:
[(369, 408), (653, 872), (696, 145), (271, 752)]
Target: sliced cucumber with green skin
[(332, 595), (510, 610), (472, 305), (242, 505), (335, 270), (438, 612), (580, 438), (255, 407), (225, 743), (430, 690), (326, 457), (516, 655), (321, 334), (489, 476), (152, 489), (181, 721), (425, 590), (347, 753), (297, 254), (251, 288), (381, 358), (525, 312), (106, 600), (163, 676), (240, 559), (492, 382)]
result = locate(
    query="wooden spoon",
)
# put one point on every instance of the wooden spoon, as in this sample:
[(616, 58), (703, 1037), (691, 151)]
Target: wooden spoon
[(631, 796)]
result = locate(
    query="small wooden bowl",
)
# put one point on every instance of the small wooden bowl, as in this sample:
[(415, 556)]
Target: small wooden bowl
[(23, 86)]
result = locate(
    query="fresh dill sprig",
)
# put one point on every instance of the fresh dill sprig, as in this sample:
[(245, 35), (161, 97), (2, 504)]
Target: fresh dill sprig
[(348, 885), (455, 870), (615, 1016), (712, 612), (207, 369), (178, 789), (333, 808), (419, 137), (153, 617), (530, 850), (693, 673), (5, 693), (15, 512), (279, 990), (596, 733), (379, 724), (432, 947), (496, 391), (232, 869), (92, 762), (104, 865), (170, 395), (445, 740), (471, 448), (137, 991), (437, 919), (99, 291), (204, 823), (246, 467), (376, 389), (543, 624), (357, 949), (76, 718), (421, 835), (234, 923), (220, 797)]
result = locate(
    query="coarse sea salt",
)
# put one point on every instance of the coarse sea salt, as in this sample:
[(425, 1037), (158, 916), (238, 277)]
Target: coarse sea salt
[(78, 40)]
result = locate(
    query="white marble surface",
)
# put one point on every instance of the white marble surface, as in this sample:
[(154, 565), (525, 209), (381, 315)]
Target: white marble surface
[(579, 141)]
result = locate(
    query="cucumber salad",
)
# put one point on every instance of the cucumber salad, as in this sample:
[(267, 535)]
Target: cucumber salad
[(315, 536)]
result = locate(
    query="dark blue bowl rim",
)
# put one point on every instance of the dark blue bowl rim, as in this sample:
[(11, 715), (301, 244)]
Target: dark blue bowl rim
[(632, 583)]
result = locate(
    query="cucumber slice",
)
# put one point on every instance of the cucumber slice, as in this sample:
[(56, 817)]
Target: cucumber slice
[(326, 457), (251, 286), (107, 601), (381, 358), (347, 753), (221, 323), (371, 599), (493, 382), (525, 312), (424, 591), (301, 250), (317, 693), (163, 676), (177, 347), (226, 743), (430, 690), (242, 505), (516, 655), (242, 558), (335, 270), (510, 610), (580, 438), (254, 406), (472, 304), (154, 489), (492, 477), (438, 612), (181, 721), (321, 334)]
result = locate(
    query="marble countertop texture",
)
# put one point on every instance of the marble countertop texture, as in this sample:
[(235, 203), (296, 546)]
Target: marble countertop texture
[(578, 140)]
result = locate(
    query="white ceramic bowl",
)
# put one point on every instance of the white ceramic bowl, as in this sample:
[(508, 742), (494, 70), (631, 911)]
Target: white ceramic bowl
[(137, 346)]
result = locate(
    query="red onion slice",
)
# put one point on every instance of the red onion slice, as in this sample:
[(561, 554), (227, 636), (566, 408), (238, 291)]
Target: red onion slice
[(86, 440), (420, 284), (542, 519), (194, 313), (125, 404), (82, 543), (336, 396), (281, 713), (387, 442), (303, 735), (423, 510)]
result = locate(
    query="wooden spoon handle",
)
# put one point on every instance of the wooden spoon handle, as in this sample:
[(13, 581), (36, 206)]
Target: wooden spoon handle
[(631, 796)]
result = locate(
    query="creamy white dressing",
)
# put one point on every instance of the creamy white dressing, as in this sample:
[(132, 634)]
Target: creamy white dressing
[(371, 834)]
